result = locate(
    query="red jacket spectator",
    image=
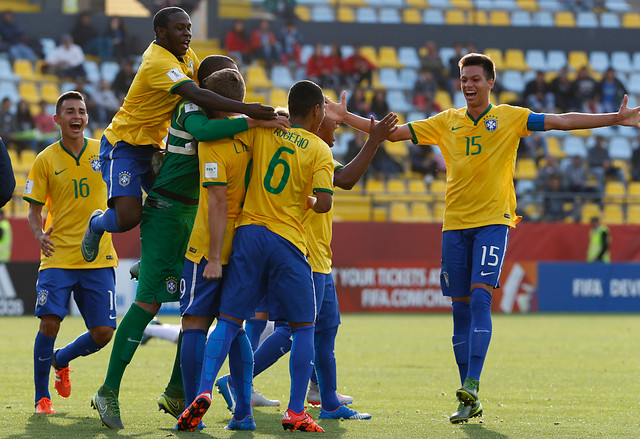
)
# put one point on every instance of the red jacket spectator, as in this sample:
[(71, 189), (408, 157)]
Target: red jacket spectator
[(236, 42), (315, 64)]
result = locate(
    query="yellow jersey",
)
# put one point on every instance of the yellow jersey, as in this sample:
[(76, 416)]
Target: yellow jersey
[(224, 162), (145, 115), (287, 167), (70, 188), (480, 156), (319, 228)]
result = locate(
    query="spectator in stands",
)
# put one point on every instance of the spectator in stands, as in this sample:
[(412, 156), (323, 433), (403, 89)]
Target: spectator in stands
[(315, 65), (560, 87), (533, 146), (334, 69), (583, 88), (237, 43), (424, 90), (537, 95), (67, 59), (576, 179), (600, 165), (107, 103), (554, 200), (454, 70), (22, 50), (423, 162), (25, 135), (123, 80), (430, 61), (549, 170), (85, 35), (45, 125), (358, 104), (11, 31), (282, 8), (291, 42), (610, 91), (635, 161), (8, 123), (264, 44), (379, 106), (382, 166), (120, 43), (358, 68), (90, 102)]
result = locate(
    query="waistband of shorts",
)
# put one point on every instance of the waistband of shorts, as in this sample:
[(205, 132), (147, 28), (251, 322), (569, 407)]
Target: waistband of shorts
[(175, 197)]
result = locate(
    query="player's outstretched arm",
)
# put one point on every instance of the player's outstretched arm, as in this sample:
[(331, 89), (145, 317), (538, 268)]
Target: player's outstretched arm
[(337, 111), (574, 121), (214, 102), (280, 122), (35, 223), (218, 212), (348, 175)]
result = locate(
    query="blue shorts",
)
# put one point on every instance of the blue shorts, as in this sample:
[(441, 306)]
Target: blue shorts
[(472, 256), (327, 300), (263, 305), (94, 291), (126, 168), (199, 296), (262, 258)]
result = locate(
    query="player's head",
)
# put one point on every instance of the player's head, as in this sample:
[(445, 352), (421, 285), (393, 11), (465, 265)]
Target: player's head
[(226, 82), (326, 131), (479, 59), (173, 29), (71, 115), (477, 76), (306, 102), (213, 63)]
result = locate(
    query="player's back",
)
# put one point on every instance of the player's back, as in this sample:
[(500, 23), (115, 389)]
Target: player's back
[(287, 167)]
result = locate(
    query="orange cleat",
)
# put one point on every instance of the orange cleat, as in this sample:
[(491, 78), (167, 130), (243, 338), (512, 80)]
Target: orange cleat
[(300, 421), (63, 383), (191, 417), (44, 406)]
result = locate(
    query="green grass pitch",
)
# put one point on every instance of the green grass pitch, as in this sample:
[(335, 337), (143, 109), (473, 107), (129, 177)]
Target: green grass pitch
[(546, 376)]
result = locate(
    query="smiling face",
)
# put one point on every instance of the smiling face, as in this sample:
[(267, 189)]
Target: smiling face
[(177, 35), (475, 86), (327, 130), (72, 118)]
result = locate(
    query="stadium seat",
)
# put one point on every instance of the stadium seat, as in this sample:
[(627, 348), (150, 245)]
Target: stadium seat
[(398, 102), (578, 59), (615, 192), (525, 169), (9, 90), (408, 78), (396, 186), (484, 4), (303, 13), (367, 15), (589, 210), (411, 16), (599, 60), (433, 16), (388, 57), (371, 54), (420, 212), (609, 20), (543, 19), (255, 97), (6, 71), (512, 81), (29, 92), (352, 208), (446, 53), (508, 97), (458, 99), (525, 186), (455, 17), (574, 145), (499, 18), (374, 186), (621, 61), (441, 4), (408, 57), (322, 14), (417, 187), (50, 92), (389, 16), (587, 19), (281, 77), (437, 188), (528, 5), (399, 212), (633, 214), (536, 60), (496, 57), (505, 5), (478, 18), (553, 147), (346, 15), (421, 4), (550, 5), (257, 77), (613, 214), (514, 60), (278, 97), (620, 148), (389, 79), (24, 69), (617, 5), (631, 19), (556, 60), (109, 70), (521, 18), (438, 211), (443, 99)]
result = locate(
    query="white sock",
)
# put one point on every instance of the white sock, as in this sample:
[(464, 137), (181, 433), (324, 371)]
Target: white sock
[(164, 331)]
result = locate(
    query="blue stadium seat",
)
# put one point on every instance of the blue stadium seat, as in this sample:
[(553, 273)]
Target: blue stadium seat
[(408, 78), (341, 145), (389, 79), (281, 77), (433, 16), (599, 60), (574, 145), (398, 102), (556, 60), (440, 4), (109, 70), (620, 148), (458, 99), (587, 19), (322, 13), (48, 44), (9, 90), (306, 52), (6, 70), (512, 81), (621, 61), (550, 5), (617, 5), (636, 61), (543, 19), (413, 116), (484, 4), (368, 15), (536, 59), (408, 57), (390, 16), (521, 18), (505, 5), (446, 53), (93, 71), (609, 20)]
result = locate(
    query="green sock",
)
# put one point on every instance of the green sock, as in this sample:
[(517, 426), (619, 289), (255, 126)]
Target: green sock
[(175, 389), (126, 342)]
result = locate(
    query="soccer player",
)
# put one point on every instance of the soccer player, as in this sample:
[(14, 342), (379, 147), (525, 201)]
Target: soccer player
[(168, 217), (138, 129), (270, 244), (65, 178), (479, 146)]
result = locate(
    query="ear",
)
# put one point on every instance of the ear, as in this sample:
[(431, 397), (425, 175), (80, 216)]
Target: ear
[(55, 119)]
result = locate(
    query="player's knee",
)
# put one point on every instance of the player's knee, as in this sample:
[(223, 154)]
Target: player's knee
[(101, 334), (129, 212), (50, 325)]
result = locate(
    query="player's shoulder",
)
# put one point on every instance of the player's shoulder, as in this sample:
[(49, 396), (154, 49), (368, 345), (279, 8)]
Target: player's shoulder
[(50, 151), (510, 109)]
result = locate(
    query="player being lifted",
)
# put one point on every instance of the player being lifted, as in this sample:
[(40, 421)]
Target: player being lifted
[(138, 129), (65, 178), (479, 146), (270, 244)]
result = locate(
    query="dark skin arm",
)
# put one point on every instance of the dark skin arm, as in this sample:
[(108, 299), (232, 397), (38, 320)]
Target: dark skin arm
[(211, 101)]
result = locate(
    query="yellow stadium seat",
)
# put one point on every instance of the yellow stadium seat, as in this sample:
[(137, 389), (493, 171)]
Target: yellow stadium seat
[(437, 188), (417, 187), (348, 2), (29, 92), (411, 16), (634, 191), (399, 212), (50, 92), (633, 214), (13, 156), (255, 97), (257, 77), (525, 169), (589, 210), (455, 17), (565, 19), (615, 192), (396, 186), (370, 53), (302, 12), (374, 186), (613, 214), (278, 98), (631, 19), (389, 58), (417, 3), (352, 208), (443, 99), (528, 5), (499, 18), (479, 18), (623, 165), (507, 97), (346, 14), (420, 212), (40, 75), (25, 70), (514, 60), (21, 181), (438, 211), (578, 59), (398, 150), (461, 4), (496, 57), (27, 157)]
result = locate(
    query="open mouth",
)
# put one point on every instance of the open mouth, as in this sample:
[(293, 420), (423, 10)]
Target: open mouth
[(470, 93), (75, 125)]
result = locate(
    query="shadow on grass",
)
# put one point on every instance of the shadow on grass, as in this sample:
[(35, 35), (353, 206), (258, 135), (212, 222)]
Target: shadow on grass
[(477, 431), (40, 426)]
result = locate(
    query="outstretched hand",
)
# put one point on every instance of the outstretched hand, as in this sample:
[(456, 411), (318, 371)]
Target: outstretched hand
[(279, 122), (629, 117), (336, 111), (379, 131)]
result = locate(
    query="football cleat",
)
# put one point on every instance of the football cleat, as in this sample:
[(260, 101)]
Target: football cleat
[(466, 412), (108, 408), (90, 244), (172, 406), (468, 393), (248, 423), (226, 390), (191, 417), (299, 421), (63, 382), (259, 400), (134, 270), (343, 412), (45, 406), (313, 396)]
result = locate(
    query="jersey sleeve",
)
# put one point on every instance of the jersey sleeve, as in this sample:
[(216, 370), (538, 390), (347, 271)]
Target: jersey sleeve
[(165, 74), (520, 121), (37, 187), (337, 165), (323, 171), (427, 131), (204, 129), (212, 165)]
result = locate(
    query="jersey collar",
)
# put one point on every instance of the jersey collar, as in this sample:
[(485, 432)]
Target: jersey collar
[(475, 121), (77, 159)]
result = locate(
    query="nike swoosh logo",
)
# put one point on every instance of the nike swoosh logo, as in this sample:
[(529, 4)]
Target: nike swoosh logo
[(60, 172), (113, 317), (455, 128), (44, 359), (482, 273), (459, 343), (134, 341), (481, 330)]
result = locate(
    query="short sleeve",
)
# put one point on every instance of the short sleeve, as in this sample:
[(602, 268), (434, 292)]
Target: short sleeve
[(521, 121), (427, 131), (164, 73), (213, 165), (247, 137), (323, 170), (37, 186), (188, 109)]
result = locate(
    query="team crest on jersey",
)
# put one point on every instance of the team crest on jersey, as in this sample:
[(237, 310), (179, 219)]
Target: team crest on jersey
[(491, 124), (43, 295), (172, 285), (124, 178), (95, 163)]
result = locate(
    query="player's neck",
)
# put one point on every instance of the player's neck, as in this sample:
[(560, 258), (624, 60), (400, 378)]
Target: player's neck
[(74, 146), (477, 110), (305, 123)]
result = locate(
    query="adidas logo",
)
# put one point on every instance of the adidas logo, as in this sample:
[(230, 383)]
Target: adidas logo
[(286, 415), (10, 304)]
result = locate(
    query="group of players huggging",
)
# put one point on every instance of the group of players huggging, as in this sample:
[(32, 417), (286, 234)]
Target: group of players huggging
[(265, 184)]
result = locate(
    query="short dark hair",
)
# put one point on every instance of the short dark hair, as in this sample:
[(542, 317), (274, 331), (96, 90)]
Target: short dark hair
[(479, 59), (161, 19), (226, 82), (66, 96), (303, 96), (213, 63)]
